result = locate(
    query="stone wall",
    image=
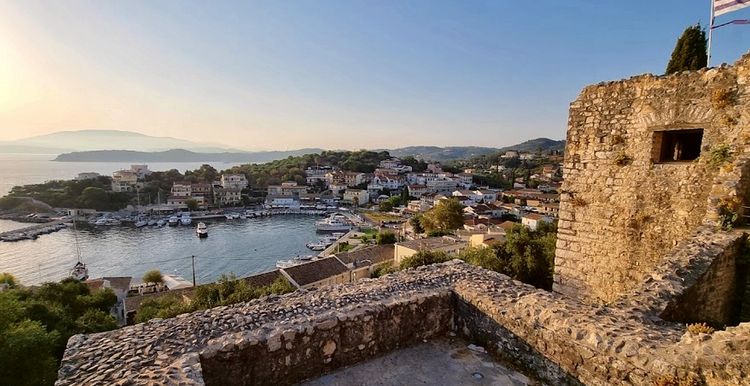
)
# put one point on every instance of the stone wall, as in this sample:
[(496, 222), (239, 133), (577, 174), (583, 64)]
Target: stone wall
[(281, 340), (621, 210), (715, 296), (287, 355)]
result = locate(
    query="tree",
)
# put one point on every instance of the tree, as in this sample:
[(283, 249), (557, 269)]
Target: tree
[(95, 198), (424, 258), (385, 206), (153, 276), (385, 238), (690, 51), (483, 257), (96, 321), (192, 204), (416, 223), (446, 216), (27, 354)]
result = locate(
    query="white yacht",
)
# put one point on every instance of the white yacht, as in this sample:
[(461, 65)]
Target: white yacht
[(173, 221), (141, 223), (161, 223), (334, 223), (319, 246), (151, 222), (201, 230), (100, 222)]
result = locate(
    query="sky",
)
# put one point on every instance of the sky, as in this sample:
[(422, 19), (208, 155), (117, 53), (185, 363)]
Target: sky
[(347, 74)]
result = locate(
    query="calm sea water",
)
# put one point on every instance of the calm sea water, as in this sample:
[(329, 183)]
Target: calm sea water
[(240, 246), (24, 169)]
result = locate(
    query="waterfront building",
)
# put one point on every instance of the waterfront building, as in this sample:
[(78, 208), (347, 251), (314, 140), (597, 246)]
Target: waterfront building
[(140, 170), (234, 181), (124, 181), (357, 197), (227, 196), (87, 176), (120, 286), (289, 188)]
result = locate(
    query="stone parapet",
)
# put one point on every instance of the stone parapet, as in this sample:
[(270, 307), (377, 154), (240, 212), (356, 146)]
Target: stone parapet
[(285, 339)]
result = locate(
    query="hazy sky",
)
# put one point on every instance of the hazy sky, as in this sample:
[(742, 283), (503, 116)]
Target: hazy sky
[(334, 74)]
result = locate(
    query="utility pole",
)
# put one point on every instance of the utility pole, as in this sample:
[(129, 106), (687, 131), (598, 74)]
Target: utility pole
[(193, 258)]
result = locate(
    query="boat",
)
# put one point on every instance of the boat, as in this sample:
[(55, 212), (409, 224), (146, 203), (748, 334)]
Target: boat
[(319, 246), (160, 223), (141, 223), (333, 223), (186, 220), (201, 230), (80, 272), (151, 222), (228, 216), (100, 222), (173, 221), (112, 222), (293, 262)]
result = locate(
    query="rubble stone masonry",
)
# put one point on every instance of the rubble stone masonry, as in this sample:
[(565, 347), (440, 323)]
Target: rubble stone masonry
[(625, 203)]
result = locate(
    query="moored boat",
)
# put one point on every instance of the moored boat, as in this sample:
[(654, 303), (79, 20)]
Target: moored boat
[(201, 230), (173, 221), (186, 220)]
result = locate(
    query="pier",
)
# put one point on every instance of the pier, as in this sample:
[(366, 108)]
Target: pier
[(32, 232)]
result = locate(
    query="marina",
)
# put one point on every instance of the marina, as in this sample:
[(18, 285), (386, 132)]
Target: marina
[(241, 247)]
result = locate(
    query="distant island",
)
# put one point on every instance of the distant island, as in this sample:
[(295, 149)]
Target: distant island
[(429, 153), (180, 155)]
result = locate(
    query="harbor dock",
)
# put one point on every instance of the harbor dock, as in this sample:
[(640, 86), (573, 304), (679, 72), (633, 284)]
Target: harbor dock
[(32, 232)]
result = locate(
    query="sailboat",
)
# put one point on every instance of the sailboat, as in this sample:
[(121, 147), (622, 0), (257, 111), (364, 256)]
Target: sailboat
[(79, 272)]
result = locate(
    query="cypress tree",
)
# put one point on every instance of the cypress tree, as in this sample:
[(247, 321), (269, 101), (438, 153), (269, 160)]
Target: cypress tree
[(690, 51)]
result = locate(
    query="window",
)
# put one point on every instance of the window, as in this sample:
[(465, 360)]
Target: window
[(677, 145)]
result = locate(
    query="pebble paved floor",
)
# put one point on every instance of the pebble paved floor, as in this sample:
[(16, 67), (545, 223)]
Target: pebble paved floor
[(444, 361)]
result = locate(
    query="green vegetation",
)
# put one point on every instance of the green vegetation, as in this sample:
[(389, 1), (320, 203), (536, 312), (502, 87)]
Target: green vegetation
[(35, 325), (94, 194), (690, 51), (383, 269), (153, 276), (227, 290), (8, 279), (293, 168), (525, 255), (446, 216), (192, 204), (379, 217), (719, 155), (424, 258), (386, 237)]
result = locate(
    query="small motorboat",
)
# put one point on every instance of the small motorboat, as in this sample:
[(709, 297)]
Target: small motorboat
[(201, 230), (100, 222), (228, 216), (161, 223), (186, 220), (319, 246), (151, 222), (173, 221), (141, 223)]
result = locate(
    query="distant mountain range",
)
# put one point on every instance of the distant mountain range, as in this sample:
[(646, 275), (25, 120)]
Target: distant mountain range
[(442, 154), (180, 155), (88, 140), (126, 146)]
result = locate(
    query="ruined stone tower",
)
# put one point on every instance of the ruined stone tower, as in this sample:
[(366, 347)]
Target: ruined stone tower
[(648, 160)]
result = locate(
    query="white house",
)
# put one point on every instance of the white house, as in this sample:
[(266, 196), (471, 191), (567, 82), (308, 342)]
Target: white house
[(532, 220), (356, 196), (124, 181), (234, 181), (87, 176)]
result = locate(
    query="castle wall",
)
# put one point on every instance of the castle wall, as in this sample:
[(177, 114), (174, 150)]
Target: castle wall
[(623, 206)]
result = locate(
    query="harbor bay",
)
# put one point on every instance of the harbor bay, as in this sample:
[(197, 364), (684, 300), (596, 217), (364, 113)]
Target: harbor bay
[(242, 247)]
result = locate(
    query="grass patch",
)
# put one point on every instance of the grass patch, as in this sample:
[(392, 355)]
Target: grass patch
[(378, 217)]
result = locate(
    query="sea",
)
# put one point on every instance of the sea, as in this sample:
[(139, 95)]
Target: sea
[(241, 247)]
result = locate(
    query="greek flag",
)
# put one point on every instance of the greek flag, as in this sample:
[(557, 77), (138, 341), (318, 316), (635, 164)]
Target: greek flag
[(725, 6)]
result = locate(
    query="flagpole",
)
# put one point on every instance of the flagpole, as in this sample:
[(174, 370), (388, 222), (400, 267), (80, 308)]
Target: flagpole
[(710, 35)]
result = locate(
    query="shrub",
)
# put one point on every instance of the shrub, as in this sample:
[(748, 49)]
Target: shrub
[(383, 270), (386, 237), (700, 328), (484, 257), (153, 276), (719, 155), (424, 258)]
